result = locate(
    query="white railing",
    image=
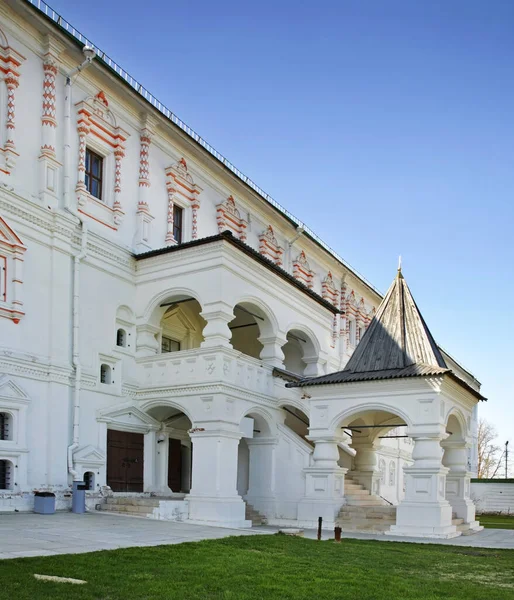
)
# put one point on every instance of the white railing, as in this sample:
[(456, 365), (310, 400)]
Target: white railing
[(49, 12), (205, 366)]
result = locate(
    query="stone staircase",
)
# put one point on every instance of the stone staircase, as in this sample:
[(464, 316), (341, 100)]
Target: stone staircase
[(364, 511), (465, 528), (254, 516), (128, 505), (165, 508)]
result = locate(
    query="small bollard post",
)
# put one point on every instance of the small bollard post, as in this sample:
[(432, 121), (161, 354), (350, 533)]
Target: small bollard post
[(337, 534), (320, 523)]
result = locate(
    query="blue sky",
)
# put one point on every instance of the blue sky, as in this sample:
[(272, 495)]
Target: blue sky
[(386, 126)]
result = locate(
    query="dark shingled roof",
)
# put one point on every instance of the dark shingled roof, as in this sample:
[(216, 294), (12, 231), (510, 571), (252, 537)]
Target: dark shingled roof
[(397, 344)]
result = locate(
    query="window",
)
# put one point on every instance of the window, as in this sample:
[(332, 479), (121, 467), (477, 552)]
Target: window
[(105, 374), (94, 173), (89, 480), (177, 223), (362, 331), (121, 338), (5, 475), (169, 345), (5, 426)]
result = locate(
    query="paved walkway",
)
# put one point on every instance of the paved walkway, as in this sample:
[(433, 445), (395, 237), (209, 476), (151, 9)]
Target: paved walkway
[(487, 538), (28, 534)]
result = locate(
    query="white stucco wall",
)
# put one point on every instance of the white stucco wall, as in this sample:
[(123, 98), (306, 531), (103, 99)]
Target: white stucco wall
[(493, 497)]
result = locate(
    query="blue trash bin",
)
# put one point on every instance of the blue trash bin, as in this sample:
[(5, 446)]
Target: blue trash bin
[(44, 503), (78, 499)]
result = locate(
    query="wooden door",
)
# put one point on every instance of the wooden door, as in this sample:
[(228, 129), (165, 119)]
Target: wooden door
[(175, 465), (125, 459)]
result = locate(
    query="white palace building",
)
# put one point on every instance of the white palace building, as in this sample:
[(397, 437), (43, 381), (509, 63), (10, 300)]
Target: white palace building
[(172, 336)]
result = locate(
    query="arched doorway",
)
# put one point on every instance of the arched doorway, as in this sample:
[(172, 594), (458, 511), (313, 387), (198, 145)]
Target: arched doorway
[(375, 448), (249, 325), (173, 450)]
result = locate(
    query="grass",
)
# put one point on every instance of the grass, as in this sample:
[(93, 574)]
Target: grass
[(268, 567), (496, 521)]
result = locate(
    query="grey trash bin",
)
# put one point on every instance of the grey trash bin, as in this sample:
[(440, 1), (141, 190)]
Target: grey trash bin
[(78, 499), (44, 503)]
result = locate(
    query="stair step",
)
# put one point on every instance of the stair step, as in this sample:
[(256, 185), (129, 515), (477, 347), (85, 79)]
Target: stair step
[(120, 508), (133, 501), (457, 522)]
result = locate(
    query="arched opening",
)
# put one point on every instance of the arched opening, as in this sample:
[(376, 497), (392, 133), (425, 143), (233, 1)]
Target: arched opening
[(254, 463), (6, 475), (181, 325), (121, 338), (297, 421), (174, 450), (248, 325), (5, 426), (105, 374), (89, 480), (376, 449), (298, 349)]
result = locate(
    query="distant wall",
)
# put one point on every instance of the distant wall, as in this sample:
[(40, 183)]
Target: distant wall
[(493, 495)]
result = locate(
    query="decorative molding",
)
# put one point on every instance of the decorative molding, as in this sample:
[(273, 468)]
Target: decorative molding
[(229, 218), (12, 252), (180, 183), (10, 63), (302, 270), (269, 246), (328, 289), (97, 123)]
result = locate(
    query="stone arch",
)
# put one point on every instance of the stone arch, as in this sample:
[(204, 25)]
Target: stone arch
[(350, 414), (456, 425), (254, 325), (305, 408), (165, 402), (302, 348), (264, 418), (175, 293)]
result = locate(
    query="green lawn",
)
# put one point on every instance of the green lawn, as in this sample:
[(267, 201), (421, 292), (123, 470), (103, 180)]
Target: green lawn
[(496, 521), (269, 567)]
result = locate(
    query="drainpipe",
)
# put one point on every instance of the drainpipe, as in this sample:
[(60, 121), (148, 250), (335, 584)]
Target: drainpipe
[(89, 54), (75, 348)]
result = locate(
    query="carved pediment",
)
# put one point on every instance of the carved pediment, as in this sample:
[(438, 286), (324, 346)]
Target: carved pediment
[(10, 390), (89, 455), (127, 417)]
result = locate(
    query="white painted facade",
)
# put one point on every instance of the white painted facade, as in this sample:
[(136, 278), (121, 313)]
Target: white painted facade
[(84, 314)]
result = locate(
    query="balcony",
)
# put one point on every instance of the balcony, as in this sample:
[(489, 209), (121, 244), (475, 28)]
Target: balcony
[(205, 366)]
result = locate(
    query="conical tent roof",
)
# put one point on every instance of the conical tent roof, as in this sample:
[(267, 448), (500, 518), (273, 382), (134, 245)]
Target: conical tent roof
[(398, 336), (396, 344)]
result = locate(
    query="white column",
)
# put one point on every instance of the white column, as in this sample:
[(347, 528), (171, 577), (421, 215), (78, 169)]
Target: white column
[(160, 484), (213, 497), (425, 512), (272, 353), (458, 481), (315, 366), (217, 333), (261, 488), (324, 485), (146, 341), (366, 470), (150, 451)]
